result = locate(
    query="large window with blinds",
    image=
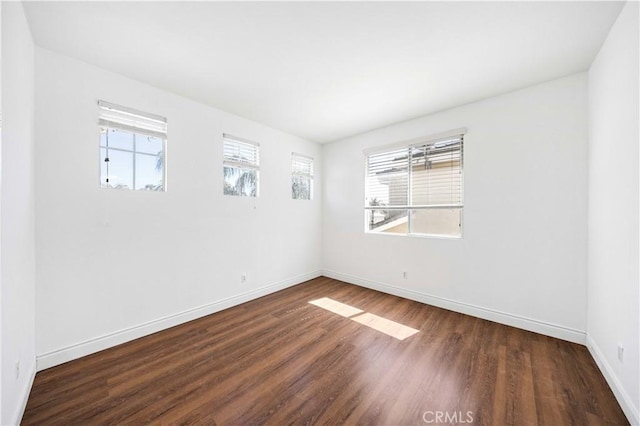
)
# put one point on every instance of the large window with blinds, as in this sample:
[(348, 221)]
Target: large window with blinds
[(132, 148), (301, 177), (416, 188), (241, 166)]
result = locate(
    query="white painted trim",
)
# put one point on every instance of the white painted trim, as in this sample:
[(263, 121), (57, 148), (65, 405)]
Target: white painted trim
[(530, 324), (17, 418), (626, 403), (87, 347)]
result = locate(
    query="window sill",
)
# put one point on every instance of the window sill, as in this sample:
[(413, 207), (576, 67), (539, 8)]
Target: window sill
[(424, 236)]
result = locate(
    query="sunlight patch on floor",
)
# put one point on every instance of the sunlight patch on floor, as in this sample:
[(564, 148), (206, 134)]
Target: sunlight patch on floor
[(336, 307), (383, 325)]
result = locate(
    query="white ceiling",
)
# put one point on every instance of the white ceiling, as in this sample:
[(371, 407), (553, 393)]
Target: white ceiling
[(327, 70)]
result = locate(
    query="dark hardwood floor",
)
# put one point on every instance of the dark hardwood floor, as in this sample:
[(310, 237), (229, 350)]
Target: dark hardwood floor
[(280, 360)]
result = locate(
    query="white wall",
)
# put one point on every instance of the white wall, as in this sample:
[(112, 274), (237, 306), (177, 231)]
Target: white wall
[(113, 265), (613, 277), (522, 260), (17, 257)]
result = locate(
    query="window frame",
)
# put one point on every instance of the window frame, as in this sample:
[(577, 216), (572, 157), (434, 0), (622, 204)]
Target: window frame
[(302, 158), (409, 207), (134, 131), (241, 165)]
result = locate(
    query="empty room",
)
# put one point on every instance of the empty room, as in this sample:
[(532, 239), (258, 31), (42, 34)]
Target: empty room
[(270, 213)]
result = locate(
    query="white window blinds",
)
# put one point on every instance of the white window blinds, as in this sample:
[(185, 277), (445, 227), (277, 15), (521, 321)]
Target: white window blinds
[(240, 152), (436, 174), (130, 120), (388, 178), (301, 165)]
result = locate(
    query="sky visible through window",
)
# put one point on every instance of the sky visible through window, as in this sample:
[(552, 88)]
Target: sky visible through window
[(125, 149)]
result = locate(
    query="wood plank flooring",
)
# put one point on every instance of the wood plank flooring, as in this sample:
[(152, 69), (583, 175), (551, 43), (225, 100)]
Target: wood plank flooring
[(279, 360)]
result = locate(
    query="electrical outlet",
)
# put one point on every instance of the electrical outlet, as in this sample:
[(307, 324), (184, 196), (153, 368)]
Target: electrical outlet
[(243, 277), (620, 352), (17, 369)]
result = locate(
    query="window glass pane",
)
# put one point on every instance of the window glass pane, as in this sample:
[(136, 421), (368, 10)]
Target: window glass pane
[(120, 139), (436, 178), (149, 172), (444, 222), (148, 144), (239, 181), (389, 190), (387, 179), (119, 170), (301, 188), (388, 221)]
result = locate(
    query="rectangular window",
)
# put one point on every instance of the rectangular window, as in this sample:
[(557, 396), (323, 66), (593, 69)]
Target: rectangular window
[(241, 166), (301, 177), (132, 147), (416, 189)]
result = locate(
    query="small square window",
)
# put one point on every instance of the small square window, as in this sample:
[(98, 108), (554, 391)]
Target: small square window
[(132, 148), (241, 166), (301, 177)]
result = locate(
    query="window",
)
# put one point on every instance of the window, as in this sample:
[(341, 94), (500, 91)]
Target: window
[(241, 166), (301, 177), (416, 189), (132, 147)]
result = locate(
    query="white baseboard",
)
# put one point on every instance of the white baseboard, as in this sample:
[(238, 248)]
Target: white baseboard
[(78, 350), (90, 346), (548, 329), (24, 396), (627, 405)]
